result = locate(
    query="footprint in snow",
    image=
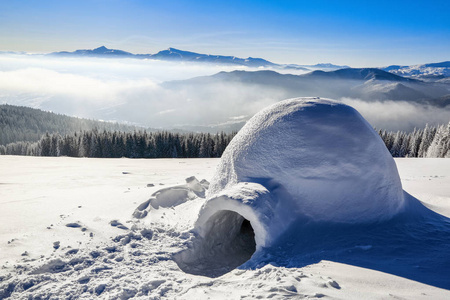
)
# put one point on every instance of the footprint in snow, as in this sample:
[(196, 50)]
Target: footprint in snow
[(116, 223)]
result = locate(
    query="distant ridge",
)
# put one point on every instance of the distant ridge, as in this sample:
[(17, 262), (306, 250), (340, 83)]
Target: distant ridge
[(173, 54), (327, 66), (368, 84), (360, 74), (100, 51), (180, 55), (428, 72)]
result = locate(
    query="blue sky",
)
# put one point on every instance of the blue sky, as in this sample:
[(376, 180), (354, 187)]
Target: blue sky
[(356, 33)]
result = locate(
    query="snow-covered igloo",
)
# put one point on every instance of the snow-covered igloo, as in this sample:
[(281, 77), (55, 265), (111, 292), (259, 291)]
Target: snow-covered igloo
[(307, 158)]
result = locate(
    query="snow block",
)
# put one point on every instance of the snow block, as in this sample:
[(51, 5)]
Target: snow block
[(306, 158)]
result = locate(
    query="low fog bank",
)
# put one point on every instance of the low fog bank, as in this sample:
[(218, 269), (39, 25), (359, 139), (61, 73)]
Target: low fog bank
[(133, 91), (399, 115), (121, 68)]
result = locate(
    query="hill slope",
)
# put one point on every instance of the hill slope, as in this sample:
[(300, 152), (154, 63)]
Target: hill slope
[(19, 123)]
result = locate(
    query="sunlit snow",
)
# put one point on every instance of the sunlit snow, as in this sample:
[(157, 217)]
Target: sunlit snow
[(285, 215)]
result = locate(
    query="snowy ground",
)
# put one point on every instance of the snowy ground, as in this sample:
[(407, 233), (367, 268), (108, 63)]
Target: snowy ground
[(68, 232)]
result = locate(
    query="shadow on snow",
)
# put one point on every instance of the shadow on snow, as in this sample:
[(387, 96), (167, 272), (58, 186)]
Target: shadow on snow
[(414, 245)]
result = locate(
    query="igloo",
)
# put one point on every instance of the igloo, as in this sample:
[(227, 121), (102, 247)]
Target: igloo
[(307, 159)]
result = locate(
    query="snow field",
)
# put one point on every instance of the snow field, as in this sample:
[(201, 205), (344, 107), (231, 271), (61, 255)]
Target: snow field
[(137, 262), (305, 180)]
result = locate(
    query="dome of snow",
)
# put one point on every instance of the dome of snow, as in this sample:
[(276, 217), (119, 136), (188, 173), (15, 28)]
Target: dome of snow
[(305, 159)]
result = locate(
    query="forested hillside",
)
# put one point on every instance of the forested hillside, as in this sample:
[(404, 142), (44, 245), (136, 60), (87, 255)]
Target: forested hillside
[(427, 142), (19, 123)]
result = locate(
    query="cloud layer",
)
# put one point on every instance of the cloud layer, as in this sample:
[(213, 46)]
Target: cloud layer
[(399, 115), (130, 90)]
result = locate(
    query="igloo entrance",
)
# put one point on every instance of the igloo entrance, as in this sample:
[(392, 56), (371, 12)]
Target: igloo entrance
[(229, 242)]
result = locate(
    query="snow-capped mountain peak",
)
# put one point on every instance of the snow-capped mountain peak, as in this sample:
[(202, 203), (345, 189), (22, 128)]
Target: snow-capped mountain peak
[(425, 71)]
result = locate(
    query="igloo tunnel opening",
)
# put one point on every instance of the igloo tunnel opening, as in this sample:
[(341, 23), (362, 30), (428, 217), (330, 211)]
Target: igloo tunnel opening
[(228, 243)]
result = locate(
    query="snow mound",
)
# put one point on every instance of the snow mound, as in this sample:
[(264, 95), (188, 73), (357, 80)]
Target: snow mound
[(173, 196), (302, 159)]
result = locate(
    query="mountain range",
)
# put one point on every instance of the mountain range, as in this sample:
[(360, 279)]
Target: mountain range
[(242, 90), (172, 54), (439, 71), (431, 71), (225, 100), (368, 84)]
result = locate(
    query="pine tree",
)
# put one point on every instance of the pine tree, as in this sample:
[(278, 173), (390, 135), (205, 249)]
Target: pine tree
[(45, 145), (438, 147), (427, 139)]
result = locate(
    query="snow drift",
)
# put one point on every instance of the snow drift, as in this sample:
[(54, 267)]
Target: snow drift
[(306, 159)]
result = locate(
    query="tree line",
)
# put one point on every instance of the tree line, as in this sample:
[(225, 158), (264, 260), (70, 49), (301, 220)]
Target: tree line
[(25, 131), (427, 142), (138, 144)]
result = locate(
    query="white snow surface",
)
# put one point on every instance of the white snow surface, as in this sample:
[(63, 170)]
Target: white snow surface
[(106, 253), (306, 202), (305, 158)]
